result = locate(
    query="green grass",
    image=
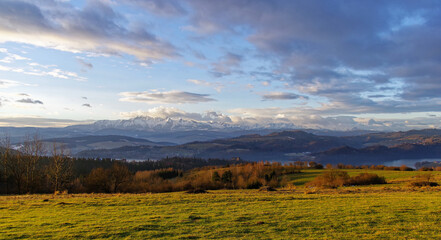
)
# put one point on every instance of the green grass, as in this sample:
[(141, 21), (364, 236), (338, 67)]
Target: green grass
[(394, 177), (376, 212)]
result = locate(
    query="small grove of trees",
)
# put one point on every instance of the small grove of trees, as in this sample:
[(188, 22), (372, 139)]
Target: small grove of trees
[(20, 168), (106, 180), (337, 178), (237, 176), (26, 168)]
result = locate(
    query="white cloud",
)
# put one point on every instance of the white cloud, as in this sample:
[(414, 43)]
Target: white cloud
[(216, 85), (11, 57), (35, 121), (4, 83), (55, 72), (289, 118), (175, 113)]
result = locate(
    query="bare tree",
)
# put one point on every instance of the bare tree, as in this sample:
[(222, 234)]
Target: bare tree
[(32, 150), (119, 175), (6, 155), (60, 169), (37, 150), (16, 166)]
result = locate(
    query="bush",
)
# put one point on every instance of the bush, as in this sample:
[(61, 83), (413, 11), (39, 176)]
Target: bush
[(405, 168), (338, 178), (168, 173), (423, 184), (366, 179), (254, 185), (98, 180), (330, 179), (423, 180), (267, 189)]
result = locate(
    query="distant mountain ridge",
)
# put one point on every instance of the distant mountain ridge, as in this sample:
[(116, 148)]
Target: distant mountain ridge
[(295, 145), (78, 144), (176, 130), (378, 154)]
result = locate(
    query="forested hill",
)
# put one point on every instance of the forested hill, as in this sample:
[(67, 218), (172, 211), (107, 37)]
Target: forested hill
[(288, 145)]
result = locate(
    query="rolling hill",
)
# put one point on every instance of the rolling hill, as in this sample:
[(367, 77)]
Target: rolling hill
[(294, 145)]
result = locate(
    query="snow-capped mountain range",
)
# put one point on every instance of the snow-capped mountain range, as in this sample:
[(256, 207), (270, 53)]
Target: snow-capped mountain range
[(157, 124)]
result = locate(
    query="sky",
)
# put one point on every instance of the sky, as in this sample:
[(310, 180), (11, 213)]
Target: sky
[(331, 64)]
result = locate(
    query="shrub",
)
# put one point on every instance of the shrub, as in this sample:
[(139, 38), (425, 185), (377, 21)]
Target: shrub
[(425, 169), (423, 180), (423, 184), (366, 179), (338, 178), (98, 180), (267, 189), (405, 168), (169, 173), (330, 179), (392, 168), (196, 191), (227, 177), (216, 177)]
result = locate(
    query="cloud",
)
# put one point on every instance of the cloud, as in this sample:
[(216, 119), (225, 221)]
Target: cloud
[(4, 83), (38, 122), (84, 64), (86, 105), (30, 101), (216, 85), (280, 118), (85, 98), (35, 69), (96, 28), (337, 48), (175, 113), (11, 57), (56, 73), (226, 65), (282, 96), (176, 97), (168, 8)]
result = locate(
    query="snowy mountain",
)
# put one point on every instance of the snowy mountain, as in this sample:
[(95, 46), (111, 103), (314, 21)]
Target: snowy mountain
[(151, 124)]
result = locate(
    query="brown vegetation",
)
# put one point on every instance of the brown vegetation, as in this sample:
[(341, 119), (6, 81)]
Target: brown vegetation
[(338, 178), (423, 180)]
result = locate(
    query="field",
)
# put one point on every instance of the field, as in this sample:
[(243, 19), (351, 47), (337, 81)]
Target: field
[(391, 211)]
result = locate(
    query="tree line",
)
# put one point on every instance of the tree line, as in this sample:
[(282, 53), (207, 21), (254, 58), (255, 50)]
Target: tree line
[(25, 169), (31, 168)]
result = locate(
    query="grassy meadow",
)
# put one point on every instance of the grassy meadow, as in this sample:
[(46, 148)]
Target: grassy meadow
[(390, 211)]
